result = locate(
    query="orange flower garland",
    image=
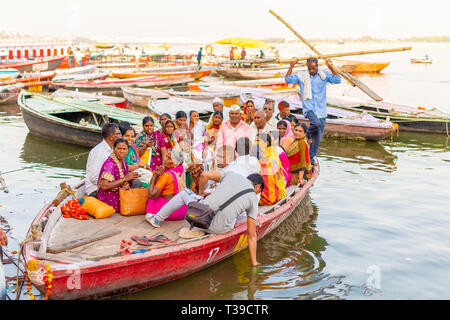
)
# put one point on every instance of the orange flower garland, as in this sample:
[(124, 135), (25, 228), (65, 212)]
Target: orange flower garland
[(33, 265), (73, 209)]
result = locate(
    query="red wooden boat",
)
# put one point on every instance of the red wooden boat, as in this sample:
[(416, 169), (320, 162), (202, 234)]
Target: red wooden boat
[(31, 77), (96, 270), (135, 74), (35, 65)]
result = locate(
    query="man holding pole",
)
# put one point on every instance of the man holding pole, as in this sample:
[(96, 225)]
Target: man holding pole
[(313, 85)]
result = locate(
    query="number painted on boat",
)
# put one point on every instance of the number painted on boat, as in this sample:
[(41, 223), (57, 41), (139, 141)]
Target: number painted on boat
[(212, 254)]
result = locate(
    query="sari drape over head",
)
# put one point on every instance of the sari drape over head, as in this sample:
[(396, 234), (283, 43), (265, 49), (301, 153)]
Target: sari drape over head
[(298, 154)]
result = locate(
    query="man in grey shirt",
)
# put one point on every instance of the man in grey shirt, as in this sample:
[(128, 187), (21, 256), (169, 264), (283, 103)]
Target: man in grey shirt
[(231, 183)]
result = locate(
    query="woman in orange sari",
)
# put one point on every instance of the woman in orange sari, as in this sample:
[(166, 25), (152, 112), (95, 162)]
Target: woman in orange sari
[(298, 154), (271, 170)]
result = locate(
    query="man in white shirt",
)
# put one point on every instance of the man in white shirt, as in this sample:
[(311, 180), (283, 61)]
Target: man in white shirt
[(269, 110), (98, 155), (259, 124), (79, 57)]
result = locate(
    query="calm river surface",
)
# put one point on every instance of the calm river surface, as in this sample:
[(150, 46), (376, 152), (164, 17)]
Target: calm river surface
[(375, 225)]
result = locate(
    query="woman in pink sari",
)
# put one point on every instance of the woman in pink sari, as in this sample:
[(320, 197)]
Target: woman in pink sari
[(166, 182), (286, 165), (114, 175), (286, 133)]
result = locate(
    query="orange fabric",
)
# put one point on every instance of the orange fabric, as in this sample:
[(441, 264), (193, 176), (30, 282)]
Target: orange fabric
[(274, 189), (165, 184)]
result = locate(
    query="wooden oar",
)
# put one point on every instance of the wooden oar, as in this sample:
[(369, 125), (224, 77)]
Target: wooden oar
[(330, 55), (354, 81)]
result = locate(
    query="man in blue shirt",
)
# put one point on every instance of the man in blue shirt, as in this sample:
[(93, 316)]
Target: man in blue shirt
[(199, 55), (313, 87)]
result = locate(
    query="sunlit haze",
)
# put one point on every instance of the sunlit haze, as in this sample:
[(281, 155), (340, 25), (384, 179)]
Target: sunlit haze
[(204, 21)]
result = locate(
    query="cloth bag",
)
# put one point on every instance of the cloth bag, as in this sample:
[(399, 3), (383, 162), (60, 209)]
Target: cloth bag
[(133, 201)]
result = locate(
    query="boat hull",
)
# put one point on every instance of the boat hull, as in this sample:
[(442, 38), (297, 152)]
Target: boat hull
[(363, 67), (130, 273), (56, 131), (33, 66)]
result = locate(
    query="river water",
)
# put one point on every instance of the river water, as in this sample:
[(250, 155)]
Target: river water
[(374, 226)]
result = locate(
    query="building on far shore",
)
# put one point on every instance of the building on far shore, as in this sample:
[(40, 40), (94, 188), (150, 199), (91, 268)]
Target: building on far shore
[(21, 50)]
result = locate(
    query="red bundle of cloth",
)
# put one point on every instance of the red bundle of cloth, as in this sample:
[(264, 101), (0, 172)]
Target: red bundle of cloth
[(73, 209)]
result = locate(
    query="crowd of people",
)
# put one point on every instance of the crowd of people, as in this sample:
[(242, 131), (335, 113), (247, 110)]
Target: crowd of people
[(189, 160)]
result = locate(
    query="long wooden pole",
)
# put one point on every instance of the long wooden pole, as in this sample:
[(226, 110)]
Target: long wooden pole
[(354, 81), (330, 55)]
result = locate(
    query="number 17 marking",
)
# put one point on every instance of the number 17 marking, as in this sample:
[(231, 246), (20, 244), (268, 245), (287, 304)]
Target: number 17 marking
[(212, 254)]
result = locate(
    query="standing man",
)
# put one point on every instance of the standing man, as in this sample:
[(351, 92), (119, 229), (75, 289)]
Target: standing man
[(313, 87), (71, 57), (199, 56), (232, 53), (233, 129), (78, 57), (98, 155), (243, 53)]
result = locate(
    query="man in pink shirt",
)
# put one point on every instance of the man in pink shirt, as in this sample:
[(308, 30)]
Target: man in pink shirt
[(233, 129)]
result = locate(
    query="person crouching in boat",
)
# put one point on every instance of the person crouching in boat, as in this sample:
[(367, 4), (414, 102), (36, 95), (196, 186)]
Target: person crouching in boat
[(115, 175), (166, 182), (97, 157), (150, 144), (298, 154), (271, 170), (224, 220)]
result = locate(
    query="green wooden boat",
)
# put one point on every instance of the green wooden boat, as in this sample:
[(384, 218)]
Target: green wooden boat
[(69, 120)]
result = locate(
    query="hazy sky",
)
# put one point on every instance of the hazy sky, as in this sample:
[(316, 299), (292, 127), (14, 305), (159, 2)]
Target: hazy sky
[(206, 21)]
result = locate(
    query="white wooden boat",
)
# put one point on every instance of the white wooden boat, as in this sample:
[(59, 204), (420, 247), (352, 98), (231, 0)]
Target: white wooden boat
[(97, 97), (76, 70), (82, 77), (141, 96)]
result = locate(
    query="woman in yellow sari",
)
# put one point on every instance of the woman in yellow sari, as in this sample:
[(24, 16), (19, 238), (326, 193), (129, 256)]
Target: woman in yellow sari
[(298, 154), (271, 170)]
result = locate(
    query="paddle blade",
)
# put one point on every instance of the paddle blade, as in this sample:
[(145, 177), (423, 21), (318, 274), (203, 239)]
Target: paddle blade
[(358, 83)]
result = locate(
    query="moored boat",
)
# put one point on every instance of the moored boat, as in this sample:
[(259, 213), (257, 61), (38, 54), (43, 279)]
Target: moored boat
[(82, 77), (35, 65), (76, 70), (135, 82), (98, 271), (8, 74), (69, 120), (174, 104), (9, 93), (421, 60), (418, 119), (92, 97), (136, 74), (141, 96), (352, 66)]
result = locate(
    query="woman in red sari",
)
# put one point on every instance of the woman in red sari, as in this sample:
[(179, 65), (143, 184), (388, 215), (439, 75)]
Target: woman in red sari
[(167, 135), (298, 154)]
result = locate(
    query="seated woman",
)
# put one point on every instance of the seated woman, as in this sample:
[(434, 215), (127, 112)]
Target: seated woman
[(298, 154), (286, 165), (167, 135), (248, 114), (285, 132), (271, 170), (132, 159), (198, 137), (212, 129), (165, 183), (114, 175), (150, 144)]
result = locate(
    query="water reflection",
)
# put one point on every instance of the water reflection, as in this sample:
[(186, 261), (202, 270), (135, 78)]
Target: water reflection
[(413, 141), (291, 267), (371, 155), (39, 150)]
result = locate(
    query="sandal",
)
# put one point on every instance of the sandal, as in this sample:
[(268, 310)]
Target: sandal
[(143, 241), (159, 238)]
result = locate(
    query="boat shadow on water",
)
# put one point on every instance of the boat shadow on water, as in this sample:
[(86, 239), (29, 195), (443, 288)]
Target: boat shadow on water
[(40, 150)]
